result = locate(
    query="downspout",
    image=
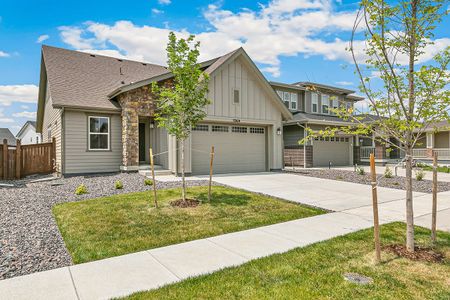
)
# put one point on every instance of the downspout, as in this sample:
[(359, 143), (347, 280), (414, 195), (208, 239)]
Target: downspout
[(304, 143)]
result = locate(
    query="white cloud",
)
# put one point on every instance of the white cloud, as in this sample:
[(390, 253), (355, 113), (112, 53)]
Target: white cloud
[(156, 11), (4, 119), (345, 83), (25, 114), (4, 54), (73, 36), (26, 93), (24, 107), (280, 28), (42, 38), (164, 2)]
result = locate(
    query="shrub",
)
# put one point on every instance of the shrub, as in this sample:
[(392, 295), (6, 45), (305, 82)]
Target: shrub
[(81, 189), (420, 175), (388, 173), (119, 185), (360, 171), (148, 181)]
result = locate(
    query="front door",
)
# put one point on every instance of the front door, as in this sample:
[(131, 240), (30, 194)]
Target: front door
[(141, 141)]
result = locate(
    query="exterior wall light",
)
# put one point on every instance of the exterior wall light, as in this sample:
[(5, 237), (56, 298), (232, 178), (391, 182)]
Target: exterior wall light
[(278, 131)]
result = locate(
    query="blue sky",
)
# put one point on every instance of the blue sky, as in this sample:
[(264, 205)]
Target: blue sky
[(290, 40)]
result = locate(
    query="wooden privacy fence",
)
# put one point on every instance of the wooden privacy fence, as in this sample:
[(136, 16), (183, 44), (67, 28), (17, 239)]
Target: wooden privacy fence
[(19, 161)]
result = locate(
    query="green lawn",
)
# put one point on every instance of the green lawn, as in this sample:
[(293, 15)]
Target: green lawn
[(116, 225), (315, 272)]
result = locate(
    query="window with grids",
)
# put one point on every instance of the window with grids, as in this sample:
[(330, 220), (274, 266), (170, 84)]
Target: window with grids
[(325, 104), (256, 130), (287, 98), (314, 102), (218, 128), (294, 101), (239, 129), (98, 133), (200, 127)]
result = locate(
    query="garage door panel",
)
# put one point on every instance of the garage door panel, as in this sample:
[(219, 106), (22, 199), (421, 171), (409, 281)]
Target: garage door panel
[(234, 151), (338, 153)]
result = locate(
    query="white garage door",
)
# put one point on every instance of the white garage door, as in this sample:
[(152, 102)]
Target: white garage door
[(334, 149), (237, 148)]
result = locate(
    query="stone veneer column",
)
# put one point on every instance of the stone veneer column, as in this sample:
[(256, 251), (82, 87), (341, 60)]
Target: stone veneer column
[(135, 103), (130, 137)]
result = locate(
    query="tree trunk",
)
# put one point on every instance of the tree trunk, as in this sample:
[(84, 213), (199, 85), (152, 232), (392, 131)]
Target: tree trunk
[(183, 190), (409, 203)]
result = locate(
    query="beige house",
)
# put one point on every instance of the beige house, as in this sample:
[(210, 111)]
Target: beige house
[(101, 112), (311, 105)]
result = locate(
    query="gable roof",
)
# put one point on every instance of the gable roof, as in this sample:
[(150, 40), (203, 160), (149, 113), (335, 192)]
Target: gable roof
[(89, 81), (324, 86), (27, 123), (78, 79), (212, 66), (5, 133)]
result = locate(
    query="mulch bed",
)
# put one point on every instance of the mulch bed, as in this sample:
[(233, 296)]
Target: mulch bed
[(419, 254), (185, 204)]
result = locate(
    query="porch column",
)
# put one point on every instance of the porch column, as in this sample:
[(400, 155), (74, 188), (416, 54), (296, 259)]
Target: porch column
[(130, 138), (430, 144)]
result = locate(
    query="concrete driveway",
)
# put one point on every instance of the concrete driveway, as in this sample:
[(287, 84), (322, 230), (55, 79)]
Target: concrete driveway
[(341, 196)]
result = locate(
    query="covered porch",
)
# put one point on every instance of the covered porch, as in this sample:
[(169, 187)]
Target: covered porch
[(140, 132)]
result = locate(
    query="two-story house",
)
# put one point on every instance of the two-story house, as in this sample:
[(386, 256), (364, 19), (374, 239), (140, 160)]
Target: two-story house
[(311, 105)]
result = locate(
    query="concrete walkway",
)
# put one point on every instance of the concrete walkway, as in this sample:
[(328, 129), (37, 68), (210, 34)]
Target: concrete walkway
[(123, 275)]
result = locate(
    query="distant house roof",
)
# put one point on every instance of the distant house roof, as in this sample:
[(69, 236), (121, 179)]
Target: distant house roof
[(27, 123), (324, 86), (5, 133), (302, 117)]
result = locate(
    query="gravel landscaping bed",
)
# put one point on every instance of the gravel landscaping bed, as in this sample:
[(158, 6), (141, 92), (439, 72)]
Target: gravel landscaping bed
[(398, 182), (29, 237)]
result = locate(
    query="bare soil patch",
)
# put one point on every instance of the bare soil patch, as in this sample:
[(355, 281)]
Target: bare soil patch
[(185, 204), (419, 254)]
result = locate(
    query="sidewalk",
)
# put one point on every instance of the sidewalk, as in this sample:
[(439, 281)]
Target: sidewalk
[(123, 275)]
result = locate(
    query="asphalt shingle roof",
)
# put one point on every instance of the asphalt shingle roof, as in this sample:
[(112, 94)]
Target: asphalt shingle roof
[(81, 79)]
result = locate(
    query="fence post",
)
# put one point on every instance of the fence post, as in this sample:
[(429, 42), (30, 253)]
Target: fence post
[(18, 158), (434, 190), (5, 159), (376, 225), (54, 153), (210, 173)]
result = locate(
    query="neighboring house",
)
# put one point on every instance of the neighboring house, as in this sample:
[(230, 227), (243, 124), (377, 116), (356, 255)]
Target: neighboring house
[(100, 110), (311, 104), (28, 135), (5, 133)]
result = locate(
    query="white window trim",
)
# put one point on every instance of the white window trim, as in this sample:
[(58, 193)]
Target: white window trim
[(296, 101), (101, 133), (327, 97), (315, 100)]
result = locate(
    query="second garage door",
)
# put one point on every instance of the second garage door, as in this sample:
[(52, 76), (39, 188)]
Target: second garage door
[(335, 150), (237, 148)]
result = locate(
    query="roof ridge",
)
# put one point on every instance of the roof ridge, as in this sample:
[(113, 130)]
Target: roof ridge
[(101, 55)]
